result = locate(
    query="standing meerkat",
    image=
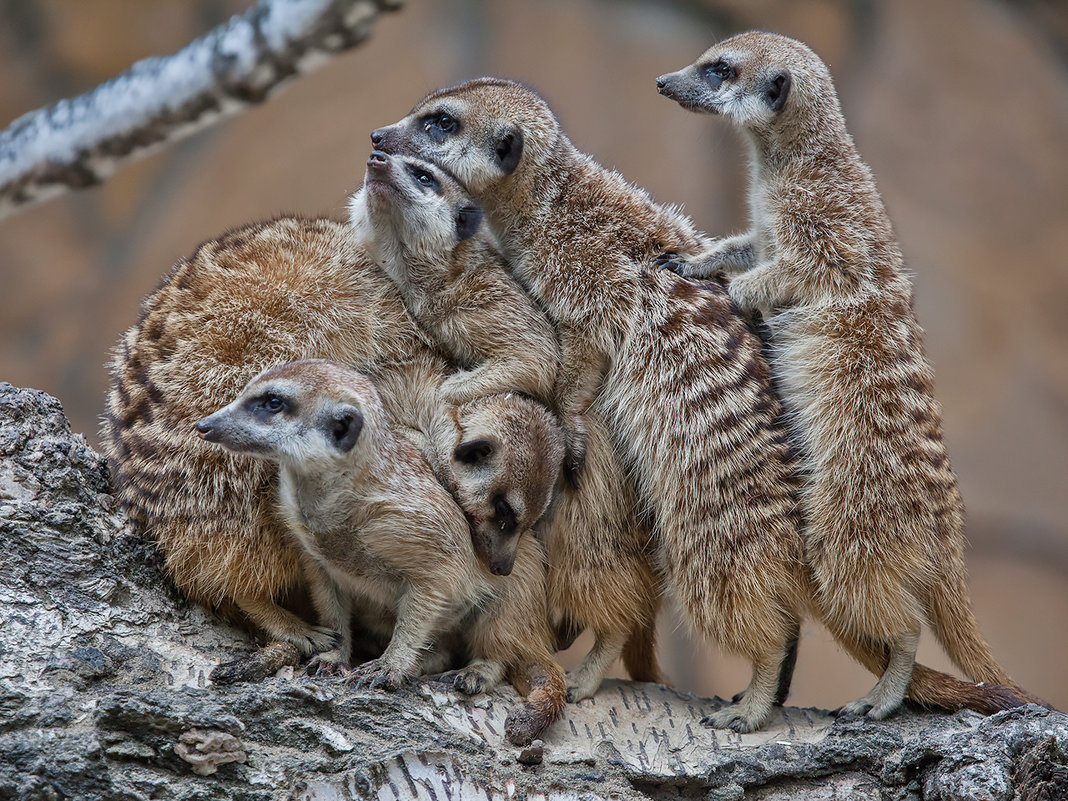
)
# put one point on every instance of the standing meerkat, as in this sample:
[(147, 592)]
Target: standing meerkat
[(687, 397), (600, 574), (373, 521), (884, 518), (469, 305)]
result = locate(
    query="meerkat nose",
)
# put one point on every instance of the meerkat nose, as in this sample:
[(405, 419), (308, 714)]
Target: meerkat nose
[(205, 428), (661, 82), (377, 136)]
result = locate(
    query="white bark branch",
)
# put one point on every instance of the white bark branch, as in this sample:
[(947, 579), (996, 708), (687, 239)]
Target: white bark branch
[(80, 141)]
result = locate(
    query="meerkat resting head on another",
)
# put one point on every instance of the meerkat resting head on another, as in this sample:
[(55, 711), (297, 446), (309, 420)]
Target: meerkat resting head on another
[(505, 469)]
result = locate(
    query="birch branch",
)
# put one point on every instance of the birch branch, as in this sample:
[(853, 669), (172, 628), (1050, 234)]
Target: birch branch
[(78, 142)]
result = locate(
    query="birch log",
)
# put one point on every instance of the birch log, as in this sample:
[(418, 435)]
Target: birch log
[(105, 693), (79, 142)]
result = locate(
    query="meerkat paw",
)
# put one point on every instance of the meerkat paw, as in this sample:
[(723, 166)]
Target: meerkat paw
[(330, 663), (876, 709), (734, 716), (580, 686), (315, 640), (478, 677), (376, 673), (456, 389), (669, 260)]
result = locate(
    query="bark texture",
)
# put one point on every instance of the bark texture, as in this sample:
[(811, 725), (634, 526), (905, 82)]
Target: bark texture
[(78, 142), (105, 694)]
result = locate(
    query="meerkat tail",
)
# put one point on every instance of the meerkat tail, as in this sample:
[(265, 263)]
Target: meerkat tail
[(546, 695), (955, 627), (934, 689), (786, 669), (639, 654)]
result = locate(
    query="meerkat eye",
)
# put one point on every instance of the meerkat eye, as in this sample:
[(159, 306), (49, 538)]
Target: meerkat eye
[(425, 179), (446, 123), (274, 404), (722, 70)]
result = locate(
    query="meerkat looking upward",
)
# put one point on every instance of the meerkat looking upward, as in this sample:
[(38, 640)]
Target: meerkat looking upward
[(470, 305), (373, 521), (884, 518)]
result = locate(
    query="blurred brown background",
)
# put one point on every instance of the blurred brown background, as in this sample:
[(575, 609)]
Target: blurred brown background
[(960, 107)]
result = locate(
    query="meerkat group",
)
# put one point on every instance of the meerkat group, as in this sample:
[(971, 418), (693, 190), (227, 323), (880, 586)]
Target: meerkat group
[(526, 376)]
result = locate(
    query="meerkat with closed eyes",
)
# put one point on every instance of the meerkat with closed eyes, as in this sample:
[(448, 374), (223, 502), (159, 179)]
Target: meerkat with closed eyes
[(373, 521), (469, 305), (884, 519)]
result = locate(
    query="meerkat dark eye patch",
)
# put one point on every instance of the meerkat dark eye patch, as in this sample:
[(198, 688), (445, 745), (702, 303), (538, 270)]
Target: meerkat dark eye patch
[(440, 125), (344, 427), (509, 149), (269, 404), (777, 89), (425, 179), (474, 452), (717, 72), (468, 218)]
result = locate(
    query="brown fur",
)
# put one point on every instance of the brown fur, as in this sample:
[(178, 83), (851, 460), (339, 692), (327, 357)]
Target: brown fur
[(678, 365), (258, 296), (470, 306), (373, 521), (884, 518), (600, 576), (264, 294)]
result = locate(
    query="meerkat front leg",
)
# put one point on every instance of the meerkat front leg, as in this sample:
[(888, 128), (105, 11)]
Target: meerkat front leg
[(730, 256), (333, 606), (420, 612), (762, 288)]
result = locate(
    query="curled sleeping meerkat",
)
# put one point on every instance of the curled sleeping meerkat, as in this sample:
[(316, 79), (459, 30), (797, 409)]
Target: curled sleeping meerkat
[(373, 521), (470, 305), (687, 397), (884, 519), (600, 574)]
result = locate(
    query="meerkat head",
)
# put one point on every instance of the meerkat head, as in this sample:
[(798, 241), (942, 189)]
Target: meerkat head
[(412, 205), (755, 79), (483, 131), (506, 467), (301, 413)]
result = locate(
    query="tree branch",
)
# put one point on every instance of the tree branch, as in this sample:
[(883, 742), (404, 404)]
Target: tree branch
[(79, 142)]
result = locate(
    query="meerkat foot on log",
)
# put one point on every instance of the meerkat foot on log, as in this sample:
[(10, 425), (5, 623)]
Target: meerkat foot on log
[(884, 520)]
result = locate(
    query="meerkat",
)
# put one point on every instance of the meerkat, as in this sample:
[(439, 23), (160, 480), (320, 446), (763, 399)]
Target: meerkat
[(600, 576), (884, 518), (261, 295), (373, 521), (469, 305), (716, 476)]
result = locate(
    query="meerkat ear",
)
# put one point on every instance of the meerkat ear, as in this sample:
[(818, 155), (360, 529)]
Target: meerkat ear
[(509, 149), (344, 427), (468, 219), (473, 451), (777, 89)]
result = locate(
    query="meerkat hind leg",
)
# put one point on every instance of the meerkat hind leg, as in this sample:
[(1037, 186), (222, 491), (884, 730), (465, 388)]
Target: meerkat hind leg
[(281, 624), (889, 692), (752, 709), (584, 681)]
